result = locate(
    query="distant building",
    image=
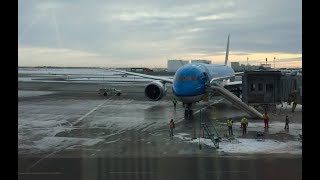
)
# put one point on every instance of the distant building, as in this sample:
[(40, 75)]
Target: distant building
[(266, 66), (250, 67), (235, 66), (174, 65), (201, 61)]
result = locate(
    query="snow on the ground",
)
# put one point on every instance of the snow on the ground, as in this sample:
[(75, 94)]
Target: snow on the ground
[(274, 127), (241, 145)]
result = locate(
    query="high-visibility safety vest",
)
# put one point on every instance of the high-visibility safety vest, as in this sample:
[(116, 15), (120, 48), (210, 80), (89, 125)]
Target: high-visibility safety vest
[(229, 123), (244, 120), (265, 116)]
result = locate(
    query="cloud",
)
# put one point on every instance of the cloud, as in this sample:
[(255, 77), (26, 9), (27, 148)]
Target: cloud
[(135, 31), (215, 17), (34, 56), (138, 15)]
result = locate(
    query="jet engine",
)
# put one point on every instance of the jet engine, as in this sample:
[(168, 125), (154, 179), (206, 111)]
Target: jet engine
[(155, 90)]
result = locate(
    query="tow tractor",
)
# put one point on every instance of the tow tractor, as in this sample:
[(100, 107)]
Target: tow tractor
[(109, 91)]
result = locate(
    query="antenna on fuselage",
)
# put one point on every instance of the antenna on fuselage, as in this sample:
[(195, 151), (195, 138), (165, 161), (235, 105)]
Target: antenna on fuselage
[(227, 52)]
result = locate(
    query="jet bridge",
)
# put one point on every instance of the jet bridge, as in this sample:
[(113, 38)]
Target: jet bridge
[(270, 87), (236, 101), (261, 87)]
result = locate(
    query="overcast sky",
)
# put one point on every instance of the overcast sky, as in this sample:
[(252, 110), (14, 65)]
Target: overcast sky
[(125, 33)]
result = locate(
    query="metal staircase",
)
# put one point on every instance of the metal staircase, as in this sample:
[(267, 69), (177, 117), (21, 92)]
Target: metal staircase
[(214, 139), (236, 101), (213, 133)]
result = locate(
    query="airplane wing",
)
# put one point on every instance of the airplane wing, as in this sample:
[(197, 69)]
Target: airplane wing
[(233, 84), (164, 79), (228, 85), (219, 78), (238, 73)]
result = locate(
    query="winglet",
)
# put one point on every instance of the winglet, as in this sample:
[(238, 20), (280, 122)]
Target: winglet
[(227, 52)]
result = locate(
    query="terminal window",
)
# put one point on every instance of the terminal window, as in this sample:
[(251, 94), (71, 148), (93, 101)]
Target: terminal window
[(260, 87), (269, 87), (253, 87)]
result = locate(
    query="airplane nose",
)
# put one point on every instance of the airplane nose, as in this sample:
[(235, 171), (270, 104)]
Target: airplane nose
[(188, 81)]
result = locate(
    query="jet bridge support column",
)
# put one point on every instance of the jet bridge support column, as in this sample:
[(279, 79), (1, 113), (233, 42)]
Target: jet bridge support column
[(236, 101)]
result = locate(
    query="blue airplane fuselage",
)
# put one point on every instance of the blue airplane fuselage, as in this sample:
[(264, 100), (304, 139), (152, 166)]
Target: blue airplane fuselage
[(189, 82)]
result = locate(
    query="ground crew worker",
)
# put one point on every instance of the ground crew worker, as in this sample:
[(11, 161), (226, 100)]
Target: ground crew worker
[(171, 126), (174, 101), (266, 120), (244, 122), (286, 126), (241, 122), (294, 105), (293, 98), (246, 125), (229, 124)]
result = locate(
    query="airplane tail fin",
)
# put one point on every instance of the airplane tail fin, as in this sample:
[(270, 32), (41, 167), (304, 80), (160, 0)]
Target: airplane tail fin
[(227, 52)]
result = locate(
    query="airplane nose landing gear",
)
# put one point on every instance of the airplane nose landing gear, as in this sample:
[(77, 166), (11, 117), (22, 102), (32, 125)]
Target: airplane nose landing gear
[(188, 112)]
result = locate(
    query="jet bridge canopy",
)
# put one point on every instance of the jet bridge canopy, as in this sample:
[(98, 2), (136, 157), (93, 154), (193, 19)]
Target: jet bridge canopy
[(261, 87)]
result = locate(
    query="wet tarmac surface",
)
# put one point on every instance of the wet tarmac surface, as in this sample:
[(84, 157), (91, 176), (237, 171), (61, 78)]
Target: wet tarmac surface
[(180, 168), (68, 131)]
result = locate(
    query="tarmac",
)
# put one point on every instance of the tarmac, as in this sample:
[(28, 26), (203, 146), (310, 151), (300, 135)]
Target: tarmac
[(67, 131)]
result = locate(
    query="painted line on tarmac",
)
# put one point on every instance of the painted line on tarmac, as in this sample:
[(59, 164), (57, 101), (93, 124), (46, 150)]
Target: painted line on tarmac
[(43, 159), (84, 116), (54, 152)]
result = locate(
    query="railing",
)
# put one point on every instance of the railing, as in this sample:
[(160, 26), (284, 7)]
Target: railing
[(205, 124)]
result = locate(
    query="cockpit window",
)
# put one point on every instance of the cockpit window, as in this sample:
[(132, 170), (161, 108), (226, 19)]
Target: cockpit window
[(205, 75)]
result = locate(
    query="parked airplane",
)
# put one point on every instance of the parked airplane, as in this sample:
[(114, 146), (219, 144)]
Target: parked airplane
[(194, 82)]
